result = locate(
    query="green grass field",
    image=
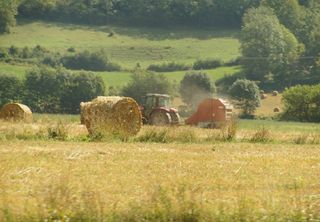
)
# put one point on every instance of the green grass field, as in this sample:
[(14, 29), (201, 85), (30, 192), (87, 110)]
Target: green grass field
[(119, 79), (129, 45)]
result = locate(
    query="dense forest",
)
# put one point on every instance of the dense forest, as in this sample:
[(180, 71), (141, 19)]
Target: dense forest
[(142, 12)]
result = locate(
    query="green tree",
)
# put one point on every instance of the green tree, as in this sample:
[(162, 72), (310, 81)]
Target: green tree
[(8, 11), (43, 89), (59, 91), (302, 103), (83, 87), (143, 82), (268, 48), (194, 87), (289, 12), (10, 89), (246, 95)]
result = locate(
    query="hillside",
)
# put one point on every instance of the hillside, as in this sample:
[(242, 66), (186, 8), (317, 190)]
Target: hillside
[(128, 46)]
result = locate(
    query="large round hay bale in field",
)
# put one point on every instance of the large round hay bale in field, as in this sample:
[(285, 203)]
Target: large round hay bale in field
[(16, 112), (275, 93), (112, 115)]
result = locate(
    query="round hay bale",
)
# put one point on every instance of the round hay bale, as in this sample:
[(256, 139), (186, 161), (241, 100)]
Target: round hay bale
[(264, 96), (276, 110), (112, 115), (16, 112), (275, 93)]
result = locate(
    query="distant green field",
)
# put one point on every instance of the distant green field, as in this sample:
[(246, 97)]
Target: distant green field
[(129, 46), (14, 69), (118, 79), (280, 126)]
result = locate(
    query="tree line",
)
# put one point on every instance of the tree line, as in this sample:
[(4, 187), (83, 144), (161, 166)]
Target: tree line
[(227, 13), (47, 90), (280, 43)]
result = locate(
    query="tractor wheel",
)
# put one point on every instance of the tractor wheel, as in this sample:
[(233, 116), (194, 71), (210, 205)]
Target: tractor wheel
[(160, 119), (175, 117)]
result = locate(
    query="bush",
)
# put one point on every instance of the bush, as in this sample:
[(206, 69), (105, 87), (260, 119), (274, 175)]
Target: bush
[(194, 87), (224, 84), (25, 53), (71, 49), (168, 67), (39, 51), (4, 53), (10, 89), (51, 60), (233, 62), (302, 103), (247, 96), (59, 91), (96, 61), (143, 82), (14, 51), (207, 64), (83, 87)]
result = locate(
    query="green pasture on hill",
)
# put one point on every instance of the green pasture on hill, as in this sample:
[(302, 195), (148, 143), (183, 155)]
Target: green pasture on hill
[(129, 45), (119, 79)]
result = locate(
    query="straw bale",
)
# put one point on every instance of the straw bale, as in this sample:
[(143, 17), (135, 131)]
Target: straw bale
[(16, 112), (276, 110), (264, 96), (275, 93), (115, 115)]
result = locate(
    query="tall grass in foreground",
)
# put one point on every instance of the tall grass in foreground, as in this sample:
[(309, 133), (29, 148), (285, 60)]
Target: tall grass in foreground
[(48, 180), (60, 202), (68, 128)]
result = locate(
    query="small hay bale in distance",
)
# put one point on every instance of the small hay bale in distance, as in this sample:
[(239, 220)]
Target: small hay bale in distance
[(275, 93), (263, 96), (112, 115), (16, 112), (276, 110)]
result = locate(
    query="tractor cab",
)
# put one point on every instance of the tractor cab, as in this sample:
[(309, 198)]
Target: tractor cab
[(157, 100), (156, 110)]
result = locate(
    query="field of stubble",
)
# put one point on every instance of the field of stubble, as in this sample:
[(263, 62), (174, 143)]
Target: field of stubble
[(266, 172)]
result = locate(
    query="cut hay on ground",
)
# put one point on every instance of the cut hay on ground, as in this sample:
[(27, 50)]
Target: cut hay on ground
[(112, 115), (16, 112)]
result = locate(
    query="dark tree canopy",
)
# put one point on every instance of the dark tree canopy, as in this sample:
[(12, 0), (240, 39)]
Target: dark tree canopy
[(267, 46), (59, 91), (246, 94), (8, 11), (302, 103), (146, 12), (143, 82), (10, 89)]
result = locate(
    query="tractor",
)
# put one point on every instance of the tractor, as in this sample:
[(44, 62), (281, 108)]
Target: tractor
[(156, 110)]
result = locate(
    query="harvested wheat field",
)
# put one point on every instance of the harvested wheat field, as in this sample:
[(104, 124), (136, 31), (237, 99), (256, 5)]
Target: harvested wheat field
[(124, 182), (53, 171)]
